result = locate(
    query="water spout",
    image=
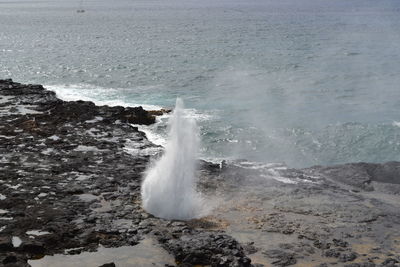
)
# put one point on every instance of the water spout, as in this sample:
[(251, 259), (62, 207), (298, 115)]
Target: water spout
[(168, 190)]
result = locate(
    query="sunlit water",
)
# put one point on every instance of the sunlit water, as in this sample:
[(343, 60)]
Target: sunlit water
[(303, 82)]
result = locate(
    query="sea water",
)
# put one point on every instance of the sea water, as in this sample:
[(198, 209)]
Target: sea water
[(303, 82)]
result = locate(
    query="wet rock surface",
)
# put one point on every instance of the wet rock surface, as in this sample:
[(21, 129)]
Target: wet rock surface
[(343, 215), (70, 180)]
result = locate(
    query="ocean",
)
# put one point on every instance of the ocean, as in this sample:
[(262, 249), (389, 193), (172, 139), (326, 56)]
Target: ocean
[(300, 82)]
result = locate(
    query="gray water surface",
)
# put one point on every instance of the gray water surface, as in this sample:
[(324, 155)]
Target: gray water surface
[(298, 81)]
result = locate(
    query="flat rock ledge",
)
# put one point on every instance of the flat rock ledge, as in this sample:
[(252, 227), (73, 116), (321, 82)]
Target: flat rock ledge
[(70, 180)]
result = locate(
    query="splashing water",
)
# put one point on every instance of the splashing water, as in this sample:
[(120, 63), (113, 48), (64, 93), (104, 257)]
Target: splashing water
[(168, 190)]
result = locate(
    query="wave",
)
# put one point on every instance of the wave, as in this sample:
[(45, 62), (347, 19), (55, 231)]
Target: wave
[(152, 135), (226, 139), (157, 133), (97, 94), (396, 123)]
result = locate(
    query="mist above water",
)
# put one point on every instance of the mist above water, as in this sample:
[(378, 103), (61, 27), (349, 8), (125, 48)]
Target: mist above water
[(168, 190)]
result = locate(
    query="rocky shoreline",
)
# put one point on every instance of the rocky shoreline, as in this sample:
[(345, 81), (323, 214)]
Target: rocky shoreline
[(70, 180), (67, 175)]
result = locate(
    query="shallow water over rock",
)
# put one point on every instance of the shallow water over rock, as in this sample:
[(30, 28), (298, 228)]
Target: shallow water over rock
[(146, 253)]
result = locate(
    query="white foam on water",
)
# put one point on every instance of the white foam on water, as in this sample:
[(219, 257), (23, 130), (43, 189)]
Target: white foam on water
[(268, 170), (168, 190), (396, 123), (86, 92), (198, 116), (280, 179), (152, 135), (109, 96), (260, 165), (137, 148), (160, 138), (2, 197)]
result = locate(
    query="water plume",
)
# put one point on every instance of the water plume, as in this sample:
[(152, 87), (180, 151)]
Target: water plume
[(168, 190)]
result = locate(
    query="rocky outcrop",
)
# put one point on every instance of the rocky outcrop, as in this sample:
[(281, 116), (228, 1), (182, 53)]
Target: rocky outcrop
[(204, 248), (342, 215), (70, 180), (362, 175), (56, 110)]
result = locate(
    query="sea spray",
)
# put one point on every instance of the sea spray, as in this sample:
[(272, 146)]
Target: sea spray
[(168, 190)]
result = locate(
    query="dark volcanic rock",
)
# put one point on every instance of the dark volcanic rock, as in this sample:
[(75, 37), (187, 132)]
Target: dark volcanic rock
[(207, 248), (32, 247), (354, 174), (386, 173), (13, 260), (361, 175), (5, 243), (70, 179), (363, 264), (281, 258), (390, 262), (58, 111)]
